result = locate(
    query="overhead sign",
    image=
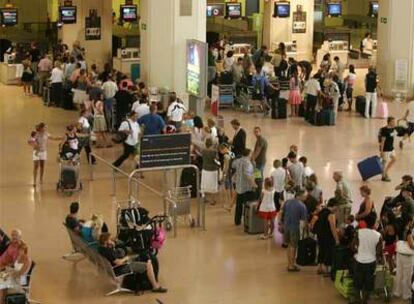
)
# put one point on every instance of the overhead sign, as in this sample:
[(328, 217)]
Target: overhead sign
[(384, 20), (299, 22), (93, 26), (165, 150)]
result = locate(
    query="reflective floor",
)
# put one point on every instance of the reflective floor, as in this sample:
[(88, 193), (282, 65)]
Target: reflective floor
[(219, 265)]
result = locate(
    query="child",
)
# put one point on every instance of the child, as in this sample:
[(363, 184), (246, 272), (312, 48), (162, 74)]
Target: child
[(390, 238), (228, 156), (33, 142), (349, 231), (99, 125), (267, 210)]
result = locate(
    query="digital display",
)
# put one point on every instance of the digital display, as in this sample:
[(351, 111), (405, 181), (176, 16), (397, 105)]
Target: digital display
[(129, 13), (215, 10), (373, 10), (334, 9), (282, 10), (67, 14), (9, 16), (196, 67), (233, 10)]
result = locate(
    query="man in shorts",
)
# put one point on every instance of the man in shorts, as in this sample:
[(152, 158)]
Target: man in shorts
[(293, 212), (386, 146)]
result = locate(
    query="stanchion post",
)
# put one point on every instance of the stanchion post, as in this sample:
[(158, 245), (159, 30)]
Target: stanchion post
[(90, 167), (113, 183)]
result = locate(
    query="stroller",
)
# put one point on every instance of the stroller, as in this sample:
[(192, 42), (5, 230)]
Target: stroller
[(69, 168), (137, 231)]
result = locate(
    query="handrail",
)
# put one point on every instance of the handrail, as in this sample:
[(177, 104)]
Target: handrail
[(201, 209)]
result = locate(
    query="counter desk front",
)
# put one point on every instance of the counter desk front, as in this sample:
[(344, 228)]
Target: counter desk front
[(10, 74)]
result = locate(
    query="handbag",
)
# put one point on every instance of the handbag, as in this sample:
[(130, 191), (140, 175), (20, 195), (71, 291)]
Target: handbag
[(120, 136), (404, 249)]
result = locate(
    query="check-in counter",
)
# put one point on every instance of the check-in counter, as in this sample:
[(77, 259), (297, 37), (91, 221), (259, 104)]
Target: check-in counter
[(10, 73)]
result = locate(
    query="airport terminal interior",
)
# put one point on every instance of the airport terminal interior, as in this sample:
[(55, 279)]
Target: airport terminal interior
[(247, 151)]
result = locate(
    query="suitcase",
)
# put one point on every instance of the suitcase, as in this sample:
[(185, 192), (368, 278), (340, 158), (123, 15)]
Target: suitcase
[(382, 110), (281, 110), (189, 178), (328, 117), (370, 167), (317, 120), (253, 224), (345, 285), (360, 104), (68, 178), (306, 255), (16, 299), (302, 110)]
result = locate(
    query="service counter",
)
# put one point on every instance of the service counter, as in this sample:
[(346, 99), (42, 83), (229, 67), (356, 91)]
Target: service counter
[(125, 65), (10, 73), (343, 56)]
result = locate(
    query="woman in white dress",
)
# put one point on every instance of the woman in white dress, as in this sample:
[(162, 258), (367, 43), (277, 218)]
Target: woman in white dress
[(209, 174), (13, 279)]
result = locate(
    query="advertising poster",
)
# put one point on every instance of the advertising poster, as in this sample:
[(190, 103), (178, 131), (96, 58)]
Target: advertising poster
[(196, 68), (93, 26), (299, 22)]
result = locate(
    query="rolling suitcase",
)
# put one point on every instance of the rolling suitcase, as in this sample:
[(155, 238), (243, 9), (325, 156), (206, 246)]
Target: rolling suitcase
[(370, 167), (16, 299), (328, 117), (360, 104), (68, 178), (306, 252), (382, 110), (318, 119), (253, 224), (281, 109)]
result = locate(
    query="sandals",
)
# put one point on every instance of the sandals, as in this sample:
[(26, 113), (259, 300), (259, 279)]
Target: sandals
[(160, 290)]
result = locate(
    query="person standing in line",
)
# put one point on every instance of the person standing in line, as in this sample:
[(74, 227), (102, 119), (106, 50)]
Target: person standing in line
[(293, 212), (386, 147), (40, 151), (245, 183), (409, 117), (131, 128), (342, 185), (44, 67), (296, 170), (176, 111), (209, 172), (141, 107), (279, 181), (34, 56), (339, 69), (27, 77), (368, 248), (294, 95), (239, 139), (312, 91), (109, 89), (260, 151), (152, 123), (267, 210), (371, 83), (56, 80), (349, 86)]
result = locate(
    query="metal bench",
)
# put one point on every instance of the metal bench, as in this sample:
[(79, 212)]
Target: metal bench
[(86, 251)]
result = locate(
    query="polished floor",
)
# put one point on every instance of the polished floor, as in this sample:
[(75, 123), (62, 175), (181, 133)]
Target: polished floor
[(219, 265)]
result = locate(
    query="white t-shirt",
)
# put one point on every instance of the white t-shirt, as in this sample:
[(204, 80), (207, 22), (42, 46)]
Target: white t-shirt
[(312, 87), (57, 76), (176, 111), (267, 204), (140, 108), (84, 123), (351, 80), (279, 178), (132, 138), (308, 171), (367, 245), (367, 46), (228, 63), (109, 89), (410, 117)]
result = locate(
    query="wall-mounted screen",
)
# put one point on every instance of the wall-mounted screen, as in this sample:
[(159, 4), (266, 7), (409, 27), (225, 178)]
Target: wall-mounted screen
[(282, 10), (67, 14), (334, 9), (196, 67), (233, 10), (9, 16), (373, 9), (215, 10), (129, 13)]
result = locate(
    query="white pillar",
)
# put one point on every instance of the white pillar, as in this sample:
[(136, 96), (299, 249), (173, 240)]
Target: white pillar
[(395, 42), (97, 51), (163, 40), (277, 30)]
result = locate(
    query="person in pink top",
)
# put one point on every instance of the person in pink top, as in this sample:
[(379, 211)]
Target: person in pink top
[(294, 95), (10, 255)]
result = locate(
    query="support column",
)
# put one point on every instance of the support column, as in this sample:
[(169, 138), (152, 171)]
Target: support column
[(164, 31), (277, 30), (97, 51), (395, 42)]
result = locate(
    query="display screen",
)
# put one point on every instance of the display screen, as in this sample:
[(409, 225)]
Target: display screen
[(282, 10), (334, 9), (129, 13), (196, 67), (9, 16), (67, 14), (233, 10), (215, 10), (374, 7)]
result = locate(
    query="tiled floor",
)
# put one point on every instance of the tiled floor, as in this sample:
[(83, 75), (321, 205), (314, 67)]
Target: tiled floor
[(220, 265)]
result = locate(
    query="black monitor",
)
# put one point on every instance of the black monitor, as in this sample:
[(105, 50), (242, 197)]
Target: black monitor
[(233, 10), (9, 16), (129, 13), (282, 10), (373, 8), (215, 10), (67, 14), (335, 9)]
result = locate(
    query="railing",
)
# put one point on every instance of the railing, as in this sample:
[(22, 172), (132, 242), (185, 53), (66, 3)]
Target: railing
[(201, 222)]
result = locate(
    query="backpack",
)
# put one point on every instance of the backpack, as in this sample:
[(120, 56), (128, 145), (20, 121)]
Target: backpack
[(158, 238)]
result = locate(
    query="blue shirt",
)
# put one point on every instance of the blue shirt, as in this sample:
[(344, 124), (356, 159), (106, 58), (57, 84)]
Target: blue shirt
[(294, 211), (262, 80), (154, 124)]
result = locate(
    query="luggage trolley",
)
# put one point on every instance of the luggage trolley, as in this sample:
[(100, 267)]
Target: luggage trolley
[(180, 205), (69, 175)]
